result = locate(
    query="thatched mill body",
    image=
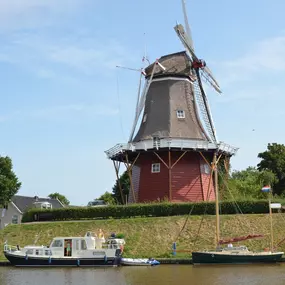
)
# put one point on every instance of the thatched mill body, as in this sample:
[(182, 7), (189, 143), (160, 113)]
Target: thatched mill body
[(175, 150)]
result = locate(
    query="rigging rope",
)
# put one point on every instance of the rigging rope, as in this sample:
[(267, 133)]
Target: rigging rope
[(119, 106), (190, 212)]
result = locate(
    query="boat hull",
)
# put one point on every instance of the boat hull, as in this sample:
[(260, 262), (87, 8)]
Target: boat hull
[(218, 258), (139, 262), (22, 261)]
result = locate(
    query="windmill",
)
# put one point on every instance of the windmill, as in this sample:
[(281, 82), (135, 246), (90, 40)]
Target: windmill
[(172, 153)]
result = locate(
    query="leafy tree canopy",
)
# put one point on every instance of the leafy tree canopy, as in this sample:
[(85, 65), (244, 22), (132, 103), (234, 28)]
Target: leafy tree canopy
[(247, 183), (60, 197), (9, 183), (273, 159), (108, 198), (125, 184)]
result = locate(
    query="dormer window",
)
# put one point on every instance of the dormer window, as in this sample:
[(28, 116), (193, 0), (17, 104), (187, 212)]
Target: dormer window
[(46, 205), (180, 114)]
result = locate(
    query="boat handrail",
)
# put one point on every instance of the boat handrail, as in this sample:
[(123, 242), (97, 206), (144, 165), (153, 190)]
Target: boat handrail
[(8, 247)]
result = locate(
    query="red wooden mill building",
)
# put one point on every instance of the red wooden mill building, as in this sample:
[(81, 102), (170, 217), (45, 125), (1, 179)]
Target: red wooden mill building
[(174, 149)]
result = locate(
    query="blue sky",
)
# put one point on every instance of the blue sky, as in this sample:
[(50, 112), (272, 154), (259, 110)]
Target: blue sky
[(64, 102)]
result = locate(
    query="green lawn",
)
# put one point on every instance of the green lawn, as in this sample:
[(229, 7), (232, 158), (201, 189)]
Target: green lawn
[(153, 237)]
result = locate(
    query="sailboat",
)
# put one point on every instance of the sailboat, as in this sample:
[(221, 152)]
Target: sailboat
[(236, 254)]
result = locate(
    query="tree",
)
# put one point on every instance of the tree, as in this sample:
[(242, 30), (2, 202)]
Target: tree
[(108, 198), (60, 197), (125, 184), (9, 183), (273, 159), (248, 183)]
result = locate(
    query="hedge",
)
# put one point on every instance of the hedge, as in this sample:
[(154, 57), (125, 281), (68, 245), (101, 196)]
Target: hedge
[(147, 210)]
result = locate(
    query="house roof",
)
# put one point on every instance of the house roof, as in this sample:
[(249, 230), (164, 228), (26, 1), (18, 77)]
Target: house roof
[(24, 202)]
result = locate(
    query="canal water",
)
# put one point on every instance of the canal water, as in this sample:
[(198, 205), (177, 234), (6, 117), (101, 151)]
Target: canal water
[(160, 275)]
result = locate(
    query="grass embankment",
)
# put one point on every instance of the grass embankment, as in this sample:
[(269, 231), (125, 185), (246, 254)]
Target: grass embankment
[(153, 237)]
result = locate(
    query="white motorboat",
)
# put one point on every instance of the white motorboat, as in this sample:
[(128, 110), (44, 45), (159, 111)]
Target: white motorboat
[(89, 250)]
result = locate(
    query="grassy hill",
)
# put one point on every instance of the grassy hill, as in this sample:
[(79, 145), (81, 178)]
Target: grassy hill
[(153, 237)]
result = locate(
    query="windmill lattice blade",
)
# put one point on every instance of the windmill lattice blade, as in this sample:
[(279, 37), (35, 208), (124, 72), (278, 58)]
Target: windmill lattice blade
[(208, 76), (202, 101), (187, 26), (179, 29), (206, 73)]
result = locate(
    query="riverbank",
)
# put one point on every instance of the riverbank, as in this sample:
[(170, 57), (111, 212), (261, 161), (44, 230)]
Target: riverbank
[(153, 237)]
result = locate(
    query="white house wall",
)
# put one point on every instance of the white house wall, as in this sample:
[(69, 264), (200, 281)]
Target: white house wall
[(7, 215)]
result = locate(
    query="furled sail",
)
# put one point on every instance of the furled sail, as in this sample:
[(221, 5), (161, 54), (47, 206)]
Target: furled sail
[(237, 239)]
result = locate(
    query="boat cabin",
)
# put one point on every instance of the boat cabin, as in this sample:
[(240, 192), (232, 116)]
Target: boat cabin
[(38, 250), (73, 246), (232, 248)]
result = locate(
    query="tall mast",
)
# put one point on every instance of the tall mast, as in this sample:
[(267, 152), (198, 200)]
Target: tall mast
[(271, 223), (217, 200)]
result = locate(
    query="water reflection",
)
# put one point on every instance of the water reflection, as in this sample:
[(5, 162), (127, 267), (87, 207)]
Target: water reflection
[(160, 275)]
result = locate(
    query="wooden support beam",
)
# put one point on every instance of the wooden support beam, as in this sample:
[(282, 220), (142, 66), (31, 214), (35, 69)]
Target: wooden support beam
[(117, 167), (218, 159), (209, 185), (161, 160), (227, 164), (169, 167), (135, 160), (169, 176), (178, 159), (129, 169), (209, 164)]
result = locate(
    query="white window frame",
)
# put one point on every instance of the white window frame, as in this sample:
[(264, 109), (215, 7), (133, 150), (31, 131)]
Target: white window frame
[(46, 205), (57, 243), (180, 114), (15, 219), (155, 168)]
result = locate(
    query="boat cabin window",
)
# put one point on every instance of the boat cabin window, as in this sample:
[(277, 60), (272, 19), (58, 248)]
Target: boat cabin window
[(47, 252), (57, 243), (29, 251), (39, 252), (83, 244), (77, 244)]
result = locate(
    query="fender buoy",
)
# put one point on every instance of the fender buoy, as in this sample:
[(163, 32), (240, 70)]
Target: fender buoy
[(49, 260), (78, 262)]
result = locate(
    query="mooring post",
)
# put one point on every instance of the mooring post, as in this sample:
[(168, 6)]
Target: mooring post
[(174, 248)]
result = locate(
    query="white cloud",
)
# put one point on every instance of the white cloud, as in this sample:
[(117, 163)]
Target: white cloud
[(255, 76), (265, 58), (268, 54), (51, 56), (34, 37), (91, 57)]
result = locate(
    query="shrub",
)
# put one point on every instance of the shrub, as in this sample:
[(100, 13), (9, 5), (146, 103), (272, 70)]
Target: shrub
[(146, 210)]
